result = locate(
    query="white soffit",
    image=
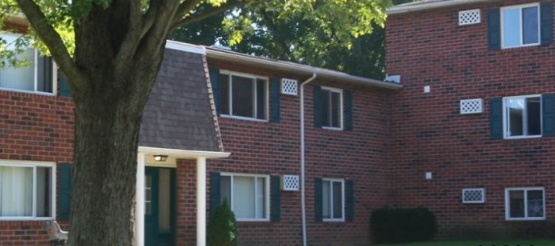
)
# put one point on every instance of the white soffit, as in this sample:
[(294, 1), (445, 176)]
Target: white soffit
[(429, 4)]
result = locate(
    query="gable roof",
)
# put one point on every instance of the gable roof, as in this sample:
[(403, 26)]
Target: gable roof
[(429, 4), (295, 68)]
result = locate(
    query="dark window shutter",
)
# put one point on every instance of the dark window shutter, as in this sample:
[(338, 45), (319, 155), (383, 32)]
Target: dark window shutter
[(494, 29), (214, 191), (496, 118), (317, 98), (64, 191), (275, 198), (546, 23), (348, 110), (548, 114), (318, 200), (215, 82), (274, 94), (64, 86), (349, 201)]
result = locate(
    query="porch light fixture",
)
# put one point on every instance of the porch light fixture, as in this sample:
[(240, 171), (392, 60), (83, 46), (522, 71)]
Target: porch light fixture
[(160, 157)]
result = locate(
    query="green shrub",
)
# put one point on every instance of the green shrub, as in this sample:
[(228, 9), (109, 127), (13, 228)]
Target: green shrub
[(221, 229), (401, 225)]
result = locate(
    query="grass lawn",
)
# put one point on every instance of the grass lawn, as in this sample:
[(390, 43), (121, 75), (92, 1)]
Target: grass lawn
[(481, 243)]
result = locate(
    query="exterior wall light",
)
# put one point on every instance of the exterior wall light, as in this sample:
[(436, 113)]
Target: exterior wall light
[(160, 157)]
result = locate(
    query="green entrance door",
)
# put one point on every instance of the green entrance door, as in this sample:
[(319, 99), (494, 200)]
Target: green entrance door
[(159, 206)]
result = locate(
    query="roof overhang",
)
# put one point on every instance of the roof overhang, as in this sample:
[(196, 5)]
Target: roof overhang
[(183, 154), (428, 5), (295, 68)]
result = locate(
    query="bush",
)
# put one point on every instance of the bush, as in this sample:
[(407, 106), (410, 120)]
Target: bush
[(401, 225), (221, 229)]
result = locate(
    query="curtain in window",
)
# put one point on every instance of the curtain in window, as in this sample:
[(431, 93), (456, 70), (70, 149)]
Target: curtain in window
[(16, 191)]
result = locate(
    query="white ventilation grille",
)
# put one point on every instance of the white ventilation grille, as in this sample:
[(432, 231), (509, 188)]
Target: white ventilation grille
[(469, 17), (472, 106), (289, 87), (290, 182), (476, 195)]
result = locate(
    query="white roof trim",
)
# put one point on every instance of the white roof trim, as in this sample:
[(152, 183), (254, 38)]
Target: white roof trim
[(183, 154), (298, 68), (170, 44), (416, 6)]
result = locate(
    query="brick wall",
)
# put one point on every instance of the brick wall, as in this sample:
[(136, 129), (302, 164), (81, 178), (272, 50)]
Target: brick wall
[(430, 49), (274, 149), (38, 128)]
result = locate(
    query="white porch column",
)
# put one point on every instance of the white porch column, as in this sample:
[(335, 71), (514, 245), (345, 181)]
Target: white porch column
[(140, 200), (201, 201)]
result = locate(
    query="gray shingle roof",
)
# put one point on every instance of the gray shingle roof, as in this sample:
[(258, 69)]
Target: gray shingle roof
[(179, 114)]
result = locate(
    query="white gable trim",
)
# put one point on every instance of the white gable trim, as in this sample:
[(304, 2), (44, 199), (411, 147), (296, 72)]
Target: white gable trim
[(174, 45)]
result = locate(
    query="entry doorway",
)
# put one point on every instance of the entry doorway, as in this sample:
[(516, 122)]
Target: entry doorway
[(160, 204)]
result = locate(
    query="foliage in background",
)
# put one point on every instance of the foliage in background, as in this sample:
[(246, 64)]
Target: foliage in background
[(402, 225), (222, 229)]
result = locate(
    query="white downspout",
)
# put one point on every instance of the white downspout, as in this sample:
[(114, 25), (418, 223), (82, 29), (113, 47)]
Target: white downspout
[(303, 202), (140, 201), (201, 201)]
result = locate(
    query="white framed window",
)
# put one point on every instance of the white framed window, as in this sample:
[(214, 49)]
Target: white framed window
[(520, 25), (522, 116), (332, 108), (37, 77), (525, 203), (247, 195), (27, 190), (333, 199), (243, 96)]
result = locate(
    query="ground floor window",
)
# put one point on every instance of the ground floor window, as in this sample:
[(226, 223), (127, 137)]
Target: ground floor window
[(26, 189), (247, 195), (333, 199), (525, 203)]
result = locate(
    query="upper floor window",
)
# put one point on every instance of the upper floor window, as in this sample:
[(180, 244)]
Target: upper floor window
[(520, 25), (243, 95), (247, 195), (523, 116), (38, 76), (524, 204), (332, 108), (26, 190)]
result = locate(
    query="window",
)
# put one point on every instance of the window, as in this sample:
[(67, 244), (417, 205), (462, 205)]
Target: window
[(520, 25), (37, 77), (332, 116), (243, 96), (523, 116), (26, 190), (333, 199), (524, 204), (247, 195)]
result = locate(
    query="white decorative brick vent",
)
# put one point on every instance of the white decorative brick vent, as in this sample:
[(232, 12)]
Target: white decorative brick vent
[(471, 106), (289, 87), (469, 17), (475, 195), (290, 182)]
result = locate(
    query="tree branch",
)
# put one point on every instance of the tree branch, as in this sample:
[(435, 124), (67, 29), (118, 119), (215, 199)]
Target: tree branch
[(185, 8), (132, 38), (184, 20), (52, 40)]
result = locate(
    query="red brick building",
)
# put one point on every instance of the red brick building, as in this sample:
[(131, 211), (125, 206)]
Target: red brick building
[(472, 129)]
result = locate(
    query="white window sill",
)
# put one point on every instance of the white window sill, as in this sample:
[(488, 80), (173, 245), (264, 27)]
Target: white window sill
[(241, 118), (332, 128), (520, 46), (253, 220), (524, 219), (522, 137), (26, 218), (29, 92), (333, 220)]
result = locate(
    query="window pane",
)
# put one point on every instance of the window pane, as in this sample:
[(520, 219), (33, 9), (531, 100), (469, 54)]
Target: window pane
[(225, 189), (533, 113), (326, 200), (148, 194), (337, 200), (260, 201), (515, 111), (224, 94), (243, 197), (242, 96), (326, 108), (261, 99), (335, 109), (530, 27), (516, 204), (535, 203), (44, 72), (20, 78), (511, 30), (16, 191), (43, 186)]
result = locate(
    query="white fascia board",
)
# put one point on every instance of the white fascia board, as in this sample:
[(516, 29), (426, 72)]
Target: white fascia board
[(174, 45), (413, 7), (183, 154)]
